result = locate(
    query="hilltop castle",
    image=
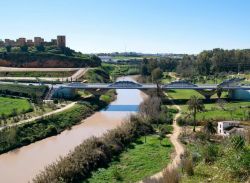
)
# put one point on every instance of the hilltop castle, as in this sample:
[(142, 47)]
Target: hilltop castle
[(38, 41)]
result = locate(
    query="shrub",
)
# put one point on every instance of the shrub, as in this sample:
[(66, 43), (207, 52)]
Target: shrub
[(238, 163), (166, 129), (173, 110), (116, 174), (210, 152), (187, 166), (196, 157), (200, 136), (237, 142), (181, 122), (30, 91)]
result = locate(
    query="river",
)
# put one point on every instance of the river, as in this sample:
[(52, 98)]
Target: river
[(21, 165)]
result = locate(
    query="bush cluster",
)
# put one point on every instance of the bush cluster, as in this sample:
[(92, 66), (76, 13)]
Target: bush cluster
[(23, 91), (94, 153)]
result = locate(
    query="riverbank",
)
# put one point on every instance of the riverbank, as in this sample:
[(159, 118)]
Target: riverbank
[(16, 136), (94, 153)]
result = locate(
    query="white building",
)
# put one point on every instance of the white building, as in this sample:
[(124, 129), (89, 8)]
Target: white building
[(106, 58), (226, 128)]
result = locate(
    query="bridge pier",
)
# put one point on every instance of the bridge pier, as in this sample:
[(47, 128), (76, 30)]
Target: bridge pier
[(207, 93), (67, 93)]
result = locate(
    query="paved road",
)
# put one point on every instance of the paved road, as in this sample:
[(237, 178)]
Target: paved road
[(39, 117)]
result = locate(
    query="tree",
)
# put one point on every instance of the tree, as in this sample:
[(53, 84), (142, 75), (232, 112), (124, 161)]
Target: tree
[(40, 48), (24, 48), (14, 112), (219, 91), (222, 103), (156, 74), (67, 51), (195, 105), (150, 108), (209, 128), (144, 70), (161, 136), (8, 48)]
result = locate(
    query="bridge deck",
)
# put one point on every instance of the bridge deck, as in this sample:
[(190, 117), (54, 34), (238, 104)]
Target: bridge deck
[(152, 86)]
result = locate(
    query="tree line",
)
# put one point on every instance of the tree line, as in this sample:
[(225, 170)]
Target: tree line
[(211, 62)]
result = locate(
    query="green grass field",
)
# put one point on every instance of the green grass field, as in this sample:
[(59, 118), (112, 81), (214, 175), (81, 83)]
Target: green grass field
[(7, 105), (213, 110), (183, 94), (138, 162), (235, 110)]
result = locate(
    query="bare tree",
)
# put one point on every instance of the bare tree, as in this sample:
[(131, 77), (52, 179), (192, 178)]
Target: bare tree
[(150, 108), (222, 103)]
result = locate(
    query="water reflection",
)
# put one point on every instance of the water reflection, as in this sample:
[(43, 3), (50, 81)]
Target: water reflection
[(129, 108)]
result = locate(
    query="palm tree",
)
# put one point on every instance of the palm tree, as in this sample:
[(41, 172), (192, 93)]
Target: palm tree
[(195, 105)]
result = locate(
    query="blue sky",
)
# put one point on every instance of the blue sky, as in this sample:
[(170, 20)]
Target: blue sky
[(150, 26)]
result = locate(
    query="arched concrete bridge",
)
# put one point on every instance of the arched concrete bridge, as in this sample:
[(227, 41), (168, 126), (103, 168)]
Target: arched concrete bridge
[(206, 90)]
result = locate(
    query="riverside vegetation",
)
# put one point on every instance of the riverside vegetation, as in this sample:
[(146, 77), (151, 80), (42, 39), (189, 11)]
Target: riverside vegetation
[(214, 159), (17, 136), (98, 152)]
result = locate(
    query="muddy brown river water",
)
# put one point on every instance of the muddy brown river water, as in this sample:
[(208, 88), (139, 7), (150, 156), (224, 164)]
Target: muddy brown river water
[(21, 165)]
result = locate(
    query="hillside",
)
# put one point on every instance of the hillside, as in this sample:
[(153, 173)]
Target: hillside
[(48, 57)]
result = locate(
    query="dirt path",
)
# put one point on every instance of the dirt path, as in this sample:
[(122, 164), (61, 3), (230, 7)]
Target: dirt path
[(173, 75), (39, 117), (179, 149), (174, 138)]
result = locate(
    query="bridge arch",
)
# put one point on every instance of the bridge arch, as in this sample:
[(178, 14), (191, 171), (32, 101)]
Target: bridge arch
[(125, 84), (180, 84)]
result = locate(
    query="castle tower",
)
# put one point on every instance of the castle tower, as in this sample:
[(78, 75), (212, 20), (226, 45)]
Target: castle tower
[(61, 41)]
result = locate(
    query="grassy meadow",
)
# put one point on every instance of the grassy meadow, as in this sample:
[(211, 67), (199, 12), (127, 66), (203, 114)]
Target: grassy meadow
[(10, 106), (142, 159), (231, 110)]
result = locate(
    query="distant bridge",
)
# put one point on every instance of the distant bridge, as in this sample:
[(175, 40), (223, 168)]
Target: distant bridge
[(207, 90), (173, 85)]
